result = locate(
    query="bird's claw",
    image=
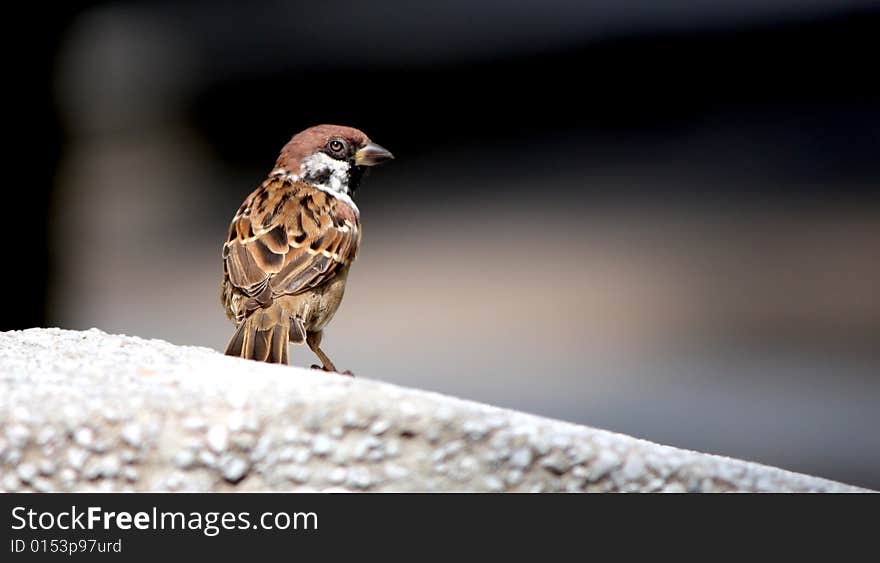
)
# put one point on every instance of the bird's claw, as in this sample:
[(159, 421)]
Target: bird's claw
[(347, 372)]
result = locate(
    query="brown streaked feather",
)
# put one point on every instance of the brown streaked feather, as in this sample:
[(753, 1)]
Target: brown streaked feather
[(244, 271), (286, 238), (276, 239), (267, 259)]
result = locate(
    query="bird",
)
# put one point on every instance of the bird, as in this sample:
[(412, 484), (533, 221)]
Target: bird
[(291, 243)]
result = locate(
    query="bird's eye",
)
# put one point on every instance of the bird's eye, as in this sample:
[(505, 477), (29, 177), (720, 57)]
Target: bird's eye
[(337, 148)]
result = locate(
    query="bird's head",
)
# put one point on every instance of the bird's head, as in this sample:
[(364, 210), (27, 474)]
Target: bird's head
[(330, 157)]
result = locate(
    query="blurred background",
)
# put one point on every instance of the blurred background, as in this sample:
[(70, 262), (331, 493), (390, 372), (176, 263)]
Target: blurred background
[(658, 218)]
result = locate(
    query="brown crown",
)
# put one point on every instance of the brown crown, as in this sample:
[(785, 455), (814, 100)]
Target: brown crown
[(312, 140)]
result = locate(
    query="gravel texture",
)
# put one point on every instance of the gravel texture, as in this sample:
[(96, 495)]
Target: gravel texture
[(88, 411)]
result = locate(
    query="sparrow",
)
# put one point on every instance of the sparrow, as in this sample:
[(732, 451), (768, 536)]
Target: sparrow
[(291, 243)]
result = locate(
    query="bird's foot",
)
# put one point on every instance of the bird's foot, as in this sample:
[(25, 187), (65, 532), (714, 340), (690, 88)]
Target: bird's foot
[(329, 370)]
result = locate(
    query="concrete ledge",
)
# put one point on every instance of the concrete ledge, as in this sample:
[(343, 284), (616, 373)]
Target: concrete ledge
[(88, 411)]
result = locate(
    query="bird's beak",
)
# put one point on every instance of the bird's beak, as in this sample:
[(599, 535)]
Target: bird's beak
[(371, 155)]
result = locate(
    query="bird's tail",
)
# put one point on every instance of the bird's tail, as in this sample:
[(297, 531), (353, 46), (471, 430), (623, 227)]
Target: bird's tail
[(263, 336)]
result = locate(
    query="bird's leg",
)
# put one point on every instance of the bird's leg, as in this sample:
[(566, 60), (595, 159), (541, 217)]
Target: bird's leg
[(314, 341)]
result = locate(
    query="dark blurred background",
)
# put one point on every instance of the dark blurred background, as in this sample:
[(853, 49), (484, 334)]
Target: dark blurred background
[(659, 218)]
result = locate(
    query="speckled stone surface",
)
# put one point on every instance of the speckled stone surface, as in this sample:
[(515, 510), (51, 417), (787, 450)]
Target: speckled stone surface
[(88, 411)]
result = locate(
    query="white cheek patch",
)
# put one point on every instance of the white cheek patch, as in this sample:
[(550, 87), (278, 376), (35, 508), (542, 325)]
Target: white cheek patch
[(336, 172), (320, 165)]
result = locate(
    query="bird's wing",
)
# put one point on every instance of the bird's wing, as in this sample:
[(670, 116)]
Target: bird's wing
[(287, 238)]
